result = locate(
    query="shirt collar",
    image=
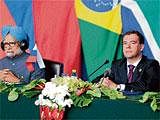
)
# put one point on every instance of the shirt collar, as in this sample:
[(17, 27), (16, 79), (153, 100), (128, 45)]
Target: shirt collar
[(135, 63)]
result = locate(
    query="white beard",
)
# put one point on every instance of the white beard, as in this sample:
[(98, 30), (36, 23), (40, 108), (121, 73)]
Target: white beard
[(13, 54), (10, 54)]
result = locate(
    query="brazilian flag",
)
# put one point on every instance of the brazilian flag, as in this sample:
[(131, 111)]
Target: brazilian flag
[(100, 26)]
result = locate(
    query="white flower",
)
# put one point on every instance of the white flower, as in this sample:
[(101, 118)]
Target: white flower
[(40, 100), (54, 105), (62, 90), (68, 102), (59, 98), (54, 95), (49, 90), (37, 102), (40, 97)]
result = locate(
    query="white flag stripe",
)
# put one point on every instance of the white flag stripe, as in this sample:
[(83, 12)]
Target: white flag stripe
[(39, 57)]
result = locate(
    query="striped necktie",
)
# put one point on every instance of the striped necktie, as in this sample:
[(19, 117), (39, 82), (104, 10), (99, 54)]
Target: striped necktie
[(130, 74)]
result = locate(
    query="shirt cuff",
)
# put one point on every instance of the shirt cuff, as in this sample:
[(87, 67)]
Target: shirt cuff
[(120, 87)]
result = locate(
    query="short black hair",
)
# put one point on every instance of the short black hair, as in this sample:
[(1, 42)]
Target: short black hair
[(141, 37)]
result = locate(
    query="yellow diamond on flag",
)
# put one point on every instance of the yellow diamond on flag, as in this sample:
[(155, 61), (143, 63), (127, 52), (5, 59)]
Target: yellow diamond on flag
[(110, 20)]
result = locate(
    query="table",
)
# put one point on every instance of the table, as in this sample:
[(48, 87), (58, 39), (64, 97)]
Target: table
[(24, 108), (113, 109)]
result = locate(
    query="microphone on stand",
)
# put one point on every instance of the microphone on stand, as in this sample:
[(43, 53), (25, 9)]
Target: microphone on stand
[(107, 73), (107, 61)]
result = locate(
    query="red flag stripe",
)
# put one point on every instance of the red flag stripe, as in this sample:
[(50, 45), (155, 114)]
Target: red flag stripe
[(5, 19), (57, 33)]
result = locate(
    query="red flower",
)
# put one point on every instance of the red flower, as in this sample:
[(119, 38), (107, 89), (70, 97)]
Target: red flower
[(82, 90), (39, 86)]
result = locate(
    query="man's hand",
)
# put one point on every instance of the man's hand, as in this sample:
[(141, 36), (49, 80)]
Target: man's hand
[(3, 74), (108, 83), (7, 76), (10, 77)]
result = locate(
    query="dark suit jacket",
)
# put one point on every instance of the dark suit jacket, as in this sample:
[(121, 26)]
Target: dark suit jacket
[(146, 76)]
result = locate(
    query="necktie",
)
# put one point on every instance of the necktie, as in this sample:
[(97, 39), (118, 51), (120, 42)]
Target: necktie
[(130, 74)]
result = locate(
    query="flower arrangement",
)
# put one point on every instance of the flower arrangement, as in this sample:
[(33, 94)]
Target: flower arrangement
[(53, 100), (82, 93), (78, 92), (62, 92), (54, 96)]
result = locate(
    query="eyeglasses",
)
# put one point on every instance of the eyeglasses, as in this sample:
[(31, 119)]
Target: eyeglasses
[(10, 44)]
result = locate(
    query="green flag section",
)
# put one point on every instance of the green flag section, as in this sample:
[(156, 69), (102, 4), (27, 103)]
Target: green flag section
[(100, 34), (98, 46)]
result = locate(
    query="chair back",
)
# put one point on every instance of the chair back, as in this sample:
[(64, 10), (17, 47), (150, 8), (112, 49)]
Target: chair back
[(52, 68)]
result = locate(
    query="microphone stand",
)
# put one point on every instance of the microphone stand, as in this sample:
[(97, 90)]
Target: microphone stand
[(98, 68)]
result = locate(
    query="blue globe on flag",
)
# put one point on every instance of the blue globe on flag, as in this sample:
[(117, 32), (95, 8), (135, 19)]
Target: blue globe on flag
[(100, 5)]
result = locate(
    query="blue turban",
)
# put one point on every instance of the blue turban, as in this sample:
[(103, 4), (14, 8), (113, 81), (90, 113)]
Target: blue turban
[(15, 31)]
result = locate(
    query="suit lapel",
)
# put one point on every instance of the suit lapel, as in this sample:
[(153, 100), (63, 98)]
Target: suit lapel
[(139, 69), (123, 71)]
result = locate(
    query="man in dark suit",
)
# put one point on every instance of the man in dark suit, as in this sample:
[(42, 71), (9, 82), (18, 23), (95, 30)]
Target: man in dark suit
[(135, 72)]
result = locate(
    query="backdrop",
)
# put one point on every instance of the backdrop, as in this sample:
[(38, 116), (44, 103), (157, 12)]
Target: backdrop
[(83, 34)]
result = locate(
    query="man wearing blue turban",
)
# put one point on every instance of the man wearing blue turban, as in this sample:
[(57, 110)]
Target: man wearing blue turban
[(17, 66)]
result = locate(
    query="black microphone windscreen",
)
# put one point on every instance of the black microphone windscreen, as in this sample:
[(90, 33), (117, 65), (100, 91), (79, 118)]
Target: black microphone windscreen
[(107, 73), (107, 61)]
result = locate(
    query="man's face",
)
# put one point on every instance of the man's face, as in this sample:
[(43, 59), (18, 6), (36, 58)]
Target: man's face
[(131, 46), (11, 46)]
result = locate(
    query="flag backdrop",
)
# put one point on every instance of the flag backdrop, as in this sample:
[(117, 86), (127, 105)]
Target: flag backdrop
[(102, 22), (72, 31), (54, 27)]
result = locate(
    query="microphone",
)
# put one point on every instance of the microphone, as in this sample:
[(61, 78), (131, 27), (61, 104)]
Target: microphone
[(107, 61), (107, 73)]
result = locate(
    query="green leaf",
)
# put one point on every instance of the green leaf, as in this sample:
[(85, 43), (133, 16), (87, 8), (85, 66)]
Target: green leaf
[(4, 87), (112, 94), (96, 92), (13, 95), (147, 96), (153, 104), (154, 97), (76, 101), (30, 94), (86, 102), (120, 95), (32, 84), (81, 101)]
